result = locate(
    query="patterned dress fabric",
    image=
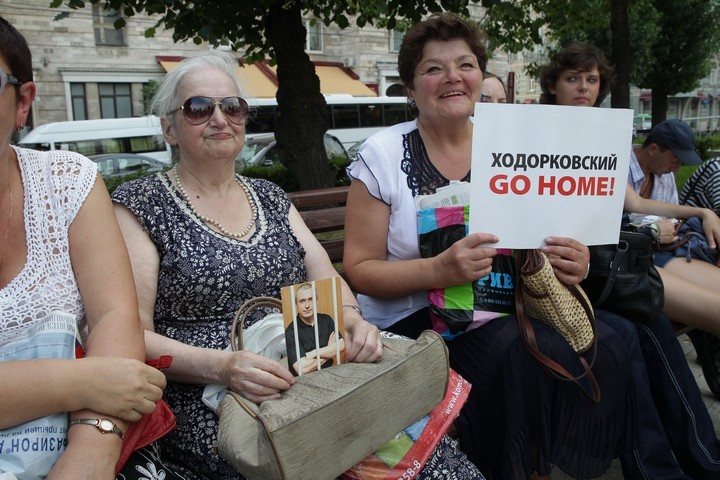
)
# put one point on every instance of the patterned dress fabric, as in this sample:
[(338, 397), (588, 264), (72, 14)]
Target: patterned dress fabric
[(204, 278)]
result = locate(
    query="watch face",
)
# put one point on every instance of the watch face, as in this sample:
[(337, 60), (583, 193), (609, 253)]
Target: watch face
[(106, 425)]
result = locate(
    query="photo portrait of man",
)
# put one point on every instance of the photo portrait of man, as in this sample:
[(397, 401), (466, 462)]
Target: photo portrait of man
[(318, 342)]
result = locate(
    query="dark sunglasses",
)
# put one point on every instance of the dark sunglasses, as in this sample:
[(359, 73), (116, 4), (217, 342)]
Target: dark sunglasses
[(6, 78), (198, 110)]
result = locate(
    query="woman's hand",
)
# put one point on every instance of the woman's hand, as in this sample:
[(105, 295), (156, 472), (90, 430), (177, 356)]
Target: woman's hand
[(466, 260), (255, 377), (119, 387), (362, 343), (568, 257), (711, 226)]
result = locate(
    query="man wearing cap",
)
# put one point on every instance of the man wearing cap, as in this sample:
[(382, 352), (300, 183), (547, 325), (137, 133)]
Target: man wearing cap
[(668, 145)]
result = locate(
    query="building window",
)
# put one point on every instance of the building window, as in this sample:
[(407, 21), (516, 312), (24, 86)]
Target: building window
[(105, 32), (396, 38), (313, 38), (532, 85), (115, 100), (79, 101)]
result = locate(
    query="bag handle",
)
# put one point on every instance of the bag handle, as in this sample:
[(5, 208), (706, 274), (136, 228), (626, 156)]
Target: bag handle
[(238, 324), (548, 364), (615, 265)]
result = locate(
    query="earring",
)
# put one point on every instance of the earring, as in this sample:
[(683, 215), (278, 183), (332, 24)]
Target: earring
[(20, 128), (411, 102)]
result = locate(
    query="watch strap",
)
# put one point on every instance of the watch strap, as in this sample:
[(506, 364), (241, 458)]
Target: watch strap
[(104, 425)]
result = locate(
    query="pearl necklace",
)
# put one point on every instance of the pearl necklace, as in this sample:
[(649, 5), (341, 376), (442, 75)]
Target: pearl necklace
[(215, 223)]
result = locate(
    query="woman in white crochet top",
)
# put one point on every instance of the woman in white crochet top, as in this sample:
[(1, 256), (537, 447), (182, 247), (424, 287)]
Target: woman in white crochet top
[(61, 251)]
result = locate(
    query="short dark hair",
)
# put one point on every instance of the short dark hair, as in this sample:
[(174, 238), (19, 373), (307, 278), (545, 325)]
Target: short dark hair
[(442, 26), (578, 56), (14, 49)]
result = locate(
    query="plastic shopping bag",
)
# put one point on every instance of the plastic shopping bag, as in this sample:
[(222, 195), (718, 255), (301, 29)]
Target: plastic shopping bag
[(455, 309), (31, 449), (404, 456)]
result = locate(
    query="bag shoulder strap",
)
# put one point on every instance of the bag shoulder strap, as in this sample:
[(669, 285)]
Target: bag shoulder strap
[(549, 365)]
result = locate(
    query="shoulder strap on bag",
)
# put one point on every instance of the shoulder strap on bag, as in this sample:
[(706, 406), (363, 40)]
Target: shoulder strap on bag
[(614, 269), (553, 368)]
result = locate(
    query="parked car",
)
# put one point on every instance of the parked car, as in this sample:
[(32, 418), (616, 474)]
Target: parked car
[(112, 165), (642, 124), (354, 148), (262, 150)]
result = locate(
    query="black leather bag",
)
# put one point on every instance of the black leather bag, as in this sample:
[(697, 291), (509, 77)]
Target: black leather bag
[(623, 280)]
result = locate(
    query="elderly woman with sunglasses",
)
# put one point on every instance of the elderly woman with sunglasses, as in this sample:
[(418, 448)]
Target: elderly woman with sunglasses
[(61, 251), (203, 240)]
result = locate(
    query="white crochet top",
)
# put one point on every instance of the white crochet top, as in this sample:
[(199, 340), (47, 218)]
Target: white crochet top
[(55, 185)]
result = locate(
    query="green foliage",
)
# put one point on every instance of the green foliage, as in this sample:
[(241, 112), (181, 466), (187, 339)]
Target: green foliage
[(276, 173), (113, 182), (707, 146), (148, 91), (279, 174), (683, 174)]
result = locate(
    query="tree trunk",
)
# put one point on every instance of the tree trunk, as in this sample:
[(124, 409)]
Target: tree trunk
[(620, 28), (302, 112), (659, 105)]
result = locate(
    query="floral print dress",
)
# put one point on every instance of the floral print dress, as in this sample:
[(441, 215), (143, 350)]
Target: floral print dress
[(204, 277)]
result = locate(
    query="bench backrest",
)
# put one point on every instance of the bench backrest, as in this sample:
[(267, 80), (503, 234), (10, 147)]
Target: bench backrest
[(323, 211)]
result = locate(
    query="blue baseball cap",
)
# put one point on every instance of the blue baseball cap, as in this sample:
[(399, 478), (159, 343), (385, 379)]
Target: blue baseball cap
[(678, 137)]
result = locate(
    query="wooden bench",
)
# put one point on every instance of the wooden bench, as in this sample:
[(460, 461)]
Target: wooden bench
[(323, 211)]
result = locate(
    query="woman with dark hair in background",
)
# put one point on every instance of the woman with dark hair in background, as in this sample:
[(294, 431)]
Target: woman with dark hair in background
[(670, 406)]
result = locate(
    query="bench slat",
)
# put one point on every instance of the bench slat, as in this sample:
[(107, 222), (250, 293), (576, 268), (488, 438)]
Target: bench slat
[(319, 198), (325, 220)]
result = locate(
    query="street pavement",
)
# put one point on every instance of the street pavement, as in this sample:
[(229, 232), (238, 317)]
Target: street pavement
[(615, 473)]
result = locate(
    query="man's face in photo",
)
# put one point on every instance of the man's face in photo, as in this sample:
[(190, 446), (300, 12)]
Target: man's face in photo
[(304, 300)]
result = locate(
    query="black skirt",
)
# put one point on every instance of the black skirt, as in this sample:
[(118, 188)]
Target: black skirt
[(519, 420)]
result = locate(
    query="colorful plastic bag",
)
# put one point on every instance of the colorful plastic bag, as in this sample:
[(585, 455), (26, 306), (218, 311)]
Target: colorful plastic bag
[(455, 309), (403, 457)]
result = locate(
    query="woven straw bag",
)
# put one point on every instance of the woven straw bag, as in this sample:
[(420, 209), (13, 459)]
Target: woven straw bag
[(566, 308), (331, 419)]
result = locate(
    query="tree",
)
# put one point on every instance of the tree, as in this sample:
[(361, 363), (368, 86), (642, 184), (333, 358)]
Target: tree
[(274, 29), (684, 51), (667, 45)]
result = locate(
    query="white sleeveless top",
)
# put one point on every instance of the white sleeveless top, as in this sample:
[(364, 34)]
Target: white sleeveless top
[(55, 186)]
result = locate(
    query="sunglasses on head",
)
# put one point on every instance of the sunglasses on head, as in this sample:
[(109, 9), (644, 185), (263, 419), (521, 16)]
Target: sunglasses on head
[(6, 78), (198, 110)]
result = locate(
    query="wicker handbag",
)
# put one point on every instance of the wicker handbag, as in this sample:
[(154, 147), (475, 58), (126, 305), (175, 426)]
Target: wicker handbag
[(566, 308), (332, 418)]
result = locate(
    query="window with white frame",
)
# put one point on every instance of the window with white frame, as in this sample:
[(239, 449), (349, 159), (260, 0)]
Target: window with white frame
[(396, 38), (532, 85), (313, 37), (104, 26)]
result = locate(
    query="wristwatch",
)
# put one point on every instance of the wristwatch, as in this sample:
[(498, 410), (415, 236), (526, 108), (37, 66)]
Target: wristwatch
[(102, 424)]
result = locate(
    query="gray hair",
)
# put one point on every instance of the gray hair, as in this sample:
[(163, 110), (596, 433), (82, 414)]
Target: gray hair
[(165, 98)]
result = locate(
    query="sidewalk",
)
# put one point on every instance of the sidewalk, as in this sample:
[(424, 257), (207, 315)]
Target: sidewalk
[(615, 473)]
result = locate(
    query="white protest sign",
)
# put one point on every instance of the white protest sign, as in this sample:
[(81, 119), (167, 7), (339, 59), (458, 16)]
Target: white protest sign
[(547, 170)]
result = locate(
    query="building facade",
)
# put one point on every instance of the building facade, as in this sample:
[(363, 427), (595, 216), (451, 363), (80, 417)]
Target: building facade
[(86, 69)]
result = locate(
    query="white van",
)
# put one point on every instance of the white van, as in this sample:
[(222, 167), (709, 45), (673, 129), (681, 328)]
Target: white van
[(111, 135)]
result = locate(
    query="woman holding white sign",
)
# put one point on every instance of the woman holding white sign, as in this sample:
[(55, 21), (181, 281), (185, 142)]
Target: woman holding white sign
[(675, 422), (518, 420)]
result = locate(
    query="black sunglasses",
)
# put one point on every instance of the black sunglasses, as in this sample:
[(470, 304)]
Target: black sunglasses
[(198, 110), (6, 78)]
